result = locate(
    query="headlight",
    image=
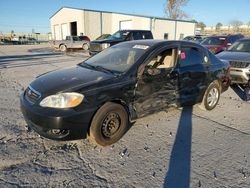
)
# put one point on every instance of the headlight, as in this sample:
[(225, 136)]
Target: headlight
[(105, 45), (62, 100)]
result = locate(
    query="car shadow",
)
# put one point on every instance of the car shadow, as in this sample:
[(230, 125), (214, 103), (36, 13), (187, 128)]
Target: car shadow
[(241, 92), (178, 173)]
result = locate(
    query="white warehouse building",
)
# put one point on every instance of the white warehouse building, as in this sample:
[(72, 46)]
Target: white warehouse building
[(93, 23)]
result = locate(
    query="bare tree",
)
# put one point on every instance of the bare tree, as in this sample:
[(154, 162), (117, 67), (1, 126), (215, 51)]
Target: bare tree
[(201, 25), (173, 10), (236, 25), (218, 26)]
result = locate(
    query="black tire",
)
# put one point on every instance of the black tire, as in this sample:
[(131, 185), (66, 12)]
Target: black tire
[(211, 97), (109, 124), (63, 48)]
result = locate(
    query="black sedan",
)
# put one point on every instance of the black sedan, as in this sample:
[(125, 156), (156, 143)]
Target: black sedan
[(100, 96)]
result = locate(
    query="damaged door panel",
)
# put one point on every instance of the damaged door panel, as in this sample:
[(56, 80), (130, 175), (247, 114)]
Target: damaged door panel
[(156, 86)]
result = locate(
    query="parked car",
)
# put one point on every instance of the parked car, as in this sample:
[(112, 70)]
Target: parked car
[(120, 36), (99, 97), (103, 36), (195, 38), (219, 43), (71, 42), (239, 57)]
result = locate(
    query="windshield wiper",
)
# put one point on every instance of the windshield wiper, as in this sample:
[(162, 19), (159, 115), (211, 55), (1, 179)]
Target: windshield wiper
[(104, 69), (87, 65)]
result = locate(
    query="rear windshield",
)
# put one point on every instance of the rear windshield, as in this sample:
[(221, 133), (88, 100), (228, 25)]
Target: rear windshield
[(213, 41)]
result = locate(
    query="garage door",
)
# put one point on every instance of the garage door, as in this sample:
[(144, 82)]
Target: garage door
[(56, 32), (65, 31), (126, 24)]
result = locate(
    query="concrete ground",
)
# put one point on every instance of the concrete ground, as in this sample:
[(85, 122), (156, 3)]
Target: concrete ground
[(174, 148)]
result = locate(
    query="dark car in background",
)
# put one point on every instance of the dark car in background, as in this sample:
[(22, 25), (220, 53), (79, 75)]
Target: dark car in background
[(103, 36), (99, 97), (219, 43), (238, 56), (195, 38), (119, 36)]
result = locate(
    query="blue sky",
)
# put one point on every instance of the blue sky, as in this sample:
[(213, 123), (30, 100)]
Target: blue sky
[(24, 15)]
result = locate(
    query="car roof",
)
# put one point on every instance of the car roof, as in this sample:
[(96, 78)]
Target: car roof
[(130, 30), (225, 36), (153, 42)]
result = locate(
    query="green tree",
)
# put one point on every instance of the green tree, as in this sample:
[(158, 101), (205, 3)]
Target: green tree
[(173, 10)]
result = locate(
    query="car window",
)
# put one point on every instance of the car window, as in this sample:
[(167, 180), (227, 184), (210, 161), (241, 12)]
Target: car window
[(75, 39), (147, 35), (190, 56), (137, 35), (232, 39), (163, 60)]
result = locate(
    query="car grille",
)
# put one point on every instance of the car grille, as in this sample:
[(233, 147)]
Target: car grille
[(31, 95), (95, 47), (239, 64)]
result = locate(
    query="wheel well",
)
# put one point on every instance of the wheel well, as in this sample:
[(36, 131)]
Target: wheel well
[(123, 103), (218, 83), (117, 101), (62, 44)]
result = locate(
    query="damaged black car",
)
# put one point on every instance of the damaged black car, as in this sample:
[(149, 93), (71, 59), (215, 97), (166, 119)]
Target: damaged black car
[(102, 95)]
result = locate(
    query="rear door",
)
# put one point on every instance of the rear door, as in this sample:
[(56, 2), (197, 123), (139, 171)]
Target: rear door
[(194, 75)]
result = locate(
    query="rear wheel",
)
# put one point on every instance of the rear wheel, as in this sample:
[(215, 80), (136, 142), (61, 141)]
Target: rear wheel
[(211, 97), (63, 48), (109, 124), (85, 46)]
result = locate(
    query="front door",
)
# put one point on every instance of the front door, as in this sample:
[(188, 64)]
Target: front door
[(156, 86)]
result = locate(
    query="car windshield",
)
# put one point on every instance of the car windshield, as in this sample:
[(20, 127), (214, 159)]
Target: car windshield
[(116, 59), (213, 41), (119, 35), (240, 46)]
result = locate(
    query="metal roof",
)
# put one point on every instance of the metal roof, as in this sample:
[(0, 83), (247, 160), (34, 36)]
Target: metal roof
[(152, 17)]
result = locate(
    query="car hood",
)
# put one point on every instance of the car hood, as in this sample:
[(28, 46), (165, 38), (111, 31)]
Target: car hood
[(106, 41), (68, 80), (234, 56)]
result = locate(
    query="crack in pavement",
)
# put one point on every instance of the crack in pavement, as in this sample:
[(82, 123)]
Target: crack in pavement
[(91, 167), (223, 125)]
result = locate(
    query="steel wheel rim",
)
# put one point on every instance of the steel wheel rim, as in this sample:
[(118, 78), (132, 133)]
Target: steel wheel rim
[(212, 97), (110, 124)]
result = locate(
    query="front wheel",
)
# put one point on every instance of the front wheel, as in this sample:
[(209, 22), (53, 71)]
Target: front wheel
[(109, 124), (211, 97)]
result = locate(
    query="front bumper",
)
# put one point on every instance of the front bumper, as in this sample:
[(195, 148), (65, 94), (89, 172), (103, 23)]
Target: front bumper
[(240, 75), (71, 123)]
